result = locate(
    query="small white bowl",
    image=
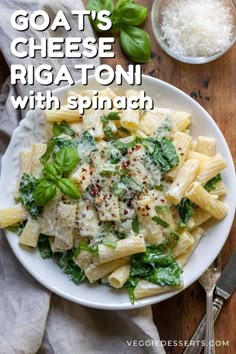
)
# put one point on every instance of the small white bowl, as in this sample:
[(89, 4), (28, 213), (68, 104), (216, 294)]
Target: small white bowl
[(156, 18), (32, 130)]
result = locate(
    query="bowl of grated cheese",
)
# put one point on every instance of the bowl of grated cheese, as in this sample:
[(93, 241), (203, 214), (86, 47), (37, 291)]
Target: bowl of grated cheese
[(194, 32)]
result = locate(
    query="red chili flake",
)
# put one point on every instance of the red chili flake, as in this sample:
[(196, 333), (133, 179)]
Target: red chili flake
[(144, 182), (147, 207), (163, 200), (84, 169), (95, 190), (125, 212), (83, 178), (125, 163), (87, 207), (137, 147)]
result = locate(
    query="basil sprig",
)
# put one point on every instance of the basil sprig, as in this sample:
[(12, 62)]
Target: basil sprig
[(125, 17), (65, 160)]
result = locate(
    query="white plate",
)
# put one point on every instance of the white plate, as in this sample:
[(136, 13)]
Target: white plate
[(32, 129)]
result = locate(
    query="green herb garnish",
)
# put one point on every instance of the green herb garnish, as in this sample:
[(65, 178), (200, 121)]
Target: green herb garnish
[(210, 185), (160, 221)]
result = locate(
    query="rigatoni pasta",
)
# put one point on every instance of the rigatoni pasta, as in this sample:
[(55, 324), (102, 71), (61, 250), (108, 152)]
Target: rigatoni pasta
[(118, 197)]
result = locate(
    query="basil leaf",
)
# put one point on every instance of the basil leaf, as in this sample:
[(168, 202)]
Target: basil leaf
[(99, 5), (27, 187), (210, 185), (135, 225), (160, 221), (133, 14), (66, 159), (66, 263), (185, 208), (44, 192), (44, 246), (67, 187), (50, 172), (121, 3), (46, 156), (136, 44), (62, 128)]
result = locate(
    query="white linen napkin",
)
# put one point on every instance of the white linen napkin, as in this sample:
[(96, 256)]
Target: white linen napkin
[(32, 319)]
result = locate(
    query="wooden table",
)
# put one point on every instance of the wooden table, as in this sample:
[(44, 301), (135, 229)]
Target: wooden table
[(214, 86)]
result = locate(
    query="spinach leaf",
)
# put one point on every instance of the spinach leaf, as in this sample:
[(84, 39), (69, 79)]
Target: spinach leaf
[(135, 225), (160, 221), (44, 192), (110, 116), (115, 157), (85, 145), (108, 132), (168, 150), (210, 185), (28, 185), (155, 265), (132, 283), (62, 128), (17, 228), (125, 184), (44, 246), (185, 208), (66, 263), (66, 159), (162, 208), (111, 244), (163, 276), (85, 247), (136, 44)]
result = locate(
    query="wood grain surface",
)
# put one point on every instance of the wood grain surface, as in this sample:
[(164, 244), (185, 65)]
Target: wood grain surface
[(213, 85)]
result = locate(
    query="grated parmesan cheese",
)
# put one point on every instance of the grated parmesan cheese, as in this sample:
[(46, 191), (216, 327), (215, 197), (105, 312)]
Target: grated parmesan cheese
[(197, 28)]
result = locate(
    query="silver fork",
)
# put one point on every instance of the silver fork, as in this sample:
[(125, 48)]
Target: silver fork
[(208, 281)]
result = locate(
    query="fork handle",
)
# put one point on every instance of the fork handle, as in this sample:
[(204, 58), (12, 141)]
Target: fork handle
[(209, 333), (199, 334)]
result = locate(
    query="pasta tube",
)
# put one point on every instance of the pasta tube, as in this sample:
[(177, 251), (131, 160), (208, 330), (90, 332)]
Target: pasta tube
[(36, 166), (25, 166), (184, 257), (185, 241), (181, 143), (70, 116), (30, 234), (183, 180), (211, 168), (125, 247), (120, 276), (145, 288), (95, 272), (198, 195), (129, 118), (12, 216), (206, 145)]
